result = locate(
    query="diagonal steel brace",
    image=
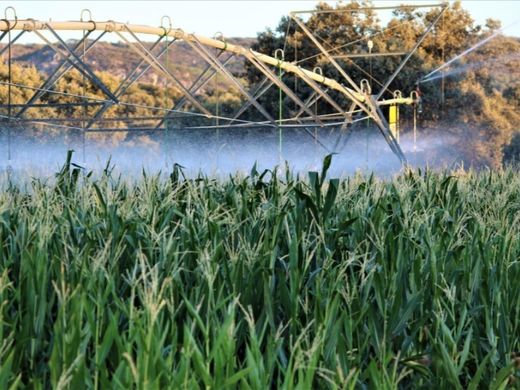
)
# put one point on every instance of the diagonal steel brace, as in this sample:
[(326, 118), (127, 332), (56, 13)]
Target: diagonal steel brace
[(204, 78), (150, 58), (322, 93), (261, 89), (129, 80), (414, 49), (12, 40), (325, 52), (78, 63), (276, 80), (217, 64), (58, 73)]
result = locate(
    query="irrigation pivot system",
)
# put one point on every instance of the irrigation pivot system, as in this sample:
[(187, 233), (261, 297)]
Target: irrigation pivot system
[(217, 54)]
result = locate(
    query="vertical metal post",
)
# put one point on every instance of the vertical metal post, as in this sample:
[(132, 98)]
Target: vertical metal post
[(9, 71), (168, 143), (398, 124), (370, 45), (296, 61), (85, 110), (280, 101), (280, 111), (219, 36), (317, 69), (415, 132), (217, 113), (443, 34), (167, 66), (217, 97), (316, 133), (415, 96)]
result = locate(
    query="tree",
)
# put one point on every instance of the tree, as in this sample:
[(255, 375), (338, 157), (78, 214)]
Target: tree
[(512, 150), (481, 100), (335, 30)]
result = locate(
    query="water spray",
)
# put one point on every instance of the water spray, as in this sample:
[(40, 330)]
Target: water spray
[(475, 65), (429, 77)]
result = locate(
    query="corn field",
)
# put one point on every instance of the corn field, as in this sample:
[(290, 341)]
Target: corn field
[(265, 281)]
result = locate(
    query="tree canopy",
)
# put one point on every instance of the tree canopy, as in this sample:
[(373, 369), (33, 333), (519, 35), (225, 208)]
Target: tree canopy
[(477, 99), (481, 99)]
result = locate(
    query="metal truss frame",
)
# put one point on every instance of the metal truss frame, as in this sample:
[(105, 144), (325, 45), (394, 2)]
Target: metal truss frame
[(74, 57)]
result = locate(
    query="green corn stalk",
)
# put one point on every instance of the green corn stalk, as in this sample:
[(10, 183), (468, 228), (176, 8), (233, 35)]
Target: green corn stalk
[(266, 280)]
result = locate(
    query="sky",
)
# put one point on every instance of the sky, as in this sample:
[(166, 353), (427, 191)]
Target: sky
[(230, 17)]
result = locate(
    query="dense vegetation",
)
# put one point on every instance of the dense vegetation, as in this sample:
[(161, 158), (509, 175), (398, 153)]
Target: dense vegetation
[(272, 280), (262, 281), (479, 106), (111, 63)]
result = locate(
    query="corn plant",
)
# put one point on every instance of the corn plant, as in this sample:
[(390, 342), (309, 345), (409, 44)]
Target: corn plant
[(264, 281)]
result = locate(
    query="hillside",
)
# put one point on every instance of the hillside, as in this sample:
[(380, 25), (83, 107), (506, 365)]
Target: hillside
[(119, 59)]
